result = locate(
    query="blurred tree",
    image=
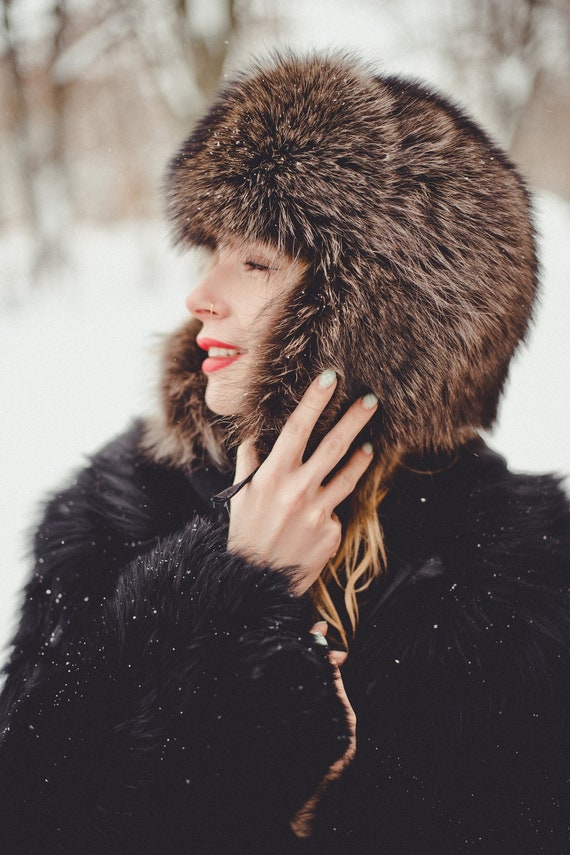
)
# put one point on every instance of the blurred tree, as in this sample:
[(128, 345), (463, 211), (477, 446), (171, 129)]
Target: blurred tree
[(507, 47), (18, 109), (39, 137), (81, 77)]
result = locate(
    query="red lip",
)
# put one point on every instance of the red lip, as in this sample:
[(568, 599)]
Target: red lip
[(206, 343), (215, 363)]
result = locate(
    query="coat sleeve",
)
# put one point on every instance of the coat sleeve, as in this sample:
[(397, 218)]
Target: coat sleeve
[(187, 711)]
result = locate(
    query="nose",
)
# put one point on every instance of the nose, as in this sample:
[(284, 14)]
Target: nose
[(206, 300)]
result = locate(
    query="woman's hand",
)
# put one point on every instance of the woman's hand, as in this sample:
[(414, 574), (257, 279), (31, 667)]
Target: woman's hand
[(302, 822), (284, 516)]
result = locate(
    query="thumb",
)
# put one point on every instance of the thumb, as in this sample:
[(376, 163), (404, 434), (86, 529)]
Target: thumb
[(247, 460)]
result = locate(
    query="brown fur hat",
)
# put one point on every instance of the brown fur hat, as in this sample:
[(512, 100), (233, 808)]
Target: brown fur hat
[(416, 230)]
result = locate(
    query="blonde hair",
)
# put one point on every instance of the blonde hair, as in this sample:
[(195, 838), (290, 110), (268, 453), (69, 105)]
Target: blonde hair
[(361, 557)]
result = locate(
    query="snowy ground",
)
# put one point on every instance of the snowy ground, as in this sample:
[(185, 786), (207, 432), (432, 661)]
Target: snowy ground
[(77, 362)]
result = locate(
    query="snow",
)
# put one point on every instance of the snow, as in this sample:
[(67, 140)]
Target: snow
[(532, 429), (78, 359), (77, 362)]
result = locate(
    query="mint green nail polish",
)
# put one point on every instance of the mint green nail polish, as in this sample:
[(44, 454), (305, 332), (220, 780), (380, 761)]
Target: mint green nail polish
[(369, 401), (319, 638), (327, 378), (367, 448)]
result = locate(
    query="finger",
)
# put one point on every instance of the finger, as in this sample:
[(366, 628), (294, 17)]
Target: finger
[(336, 443), (337, 658), (319, 631), (292, 441), (320, 626), (246, 460), (341, 692), (344, 482)]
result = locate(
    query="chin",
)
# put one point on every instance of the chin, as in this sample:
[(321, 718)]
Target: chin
[(219, 403)]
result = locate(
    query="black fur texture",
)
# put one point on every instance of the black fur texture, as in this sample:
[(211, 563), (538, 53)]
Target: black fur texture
[(165, 696)]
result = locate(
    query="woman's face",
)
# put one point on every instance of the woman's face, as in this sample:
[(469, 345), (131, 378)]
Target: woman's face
[(237, 303)]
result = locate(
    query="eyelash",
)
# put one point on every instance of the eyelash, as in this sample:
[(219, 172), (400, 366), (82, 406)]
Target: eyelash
[(256, 265)]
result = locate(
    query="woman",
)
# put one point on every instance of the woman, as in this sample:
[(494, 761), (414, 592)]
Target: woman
[(372, 271)]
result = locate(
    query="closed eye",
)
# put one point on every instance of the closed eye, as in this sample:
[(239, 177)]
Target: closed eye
[(258, 265)]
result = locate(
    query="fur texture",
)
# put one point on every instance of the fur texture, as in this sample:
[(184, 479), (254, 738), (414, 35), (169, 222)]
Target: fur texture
[(164, 696), (416, 228), (155, 678)]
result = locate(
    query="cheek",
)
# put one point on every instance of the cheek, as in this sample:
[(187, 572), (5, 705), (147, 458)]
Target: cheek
[(256, 321), (261, 322), (260, 308)]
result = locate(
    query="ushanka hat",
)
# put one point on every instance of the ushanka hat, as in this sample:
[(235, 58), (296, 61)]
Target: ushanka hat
[(416, 231)]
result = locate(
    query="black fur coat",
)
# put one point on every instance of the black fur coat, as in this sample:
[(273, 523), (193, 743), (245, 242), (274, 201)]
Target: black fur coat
[(165, 696)]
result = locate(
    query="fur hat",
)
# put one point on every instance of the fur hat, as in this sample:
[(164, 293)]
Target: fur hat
[(417, 233)]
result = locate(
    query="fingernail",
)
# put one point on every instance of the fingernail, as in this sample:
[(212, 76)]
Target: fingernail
[(327, 378), (367, 448), (319, 639), (369, 401)]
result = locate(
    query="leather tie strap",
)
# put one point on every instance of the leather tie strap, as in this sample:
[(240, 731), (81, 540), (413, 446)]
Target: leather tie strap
[(221, 501)]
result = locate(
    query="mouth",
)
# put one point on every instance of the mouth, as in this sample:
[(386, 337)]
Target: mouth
[(220, 354)]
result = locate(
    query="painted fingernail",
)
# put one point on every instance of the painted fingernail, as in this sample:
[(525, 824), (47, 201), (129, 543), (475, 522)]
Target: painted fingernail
[(367, 448), (321, 626), (369, 401), (327, 378), (319, 638)]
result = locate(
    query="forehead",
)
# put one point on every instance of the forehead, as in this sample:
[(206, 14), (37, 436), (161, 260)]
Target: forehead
[(245, 248)]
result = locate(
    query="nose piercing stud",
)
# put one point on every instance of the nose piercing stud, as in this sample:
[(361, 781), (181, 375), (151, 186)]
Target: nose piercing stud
[(211, 308)]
